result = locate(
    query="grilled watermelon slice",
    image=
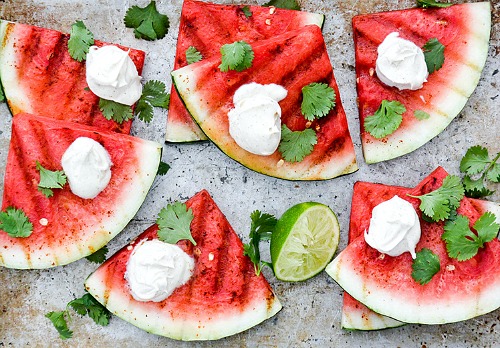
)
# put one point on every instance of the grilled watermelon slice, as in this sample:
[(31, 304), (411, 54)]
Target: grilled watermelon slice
[(67, 227), (293, 60), (40, 77), (459, 291), (463, 29), (207, 27), (223, 297)]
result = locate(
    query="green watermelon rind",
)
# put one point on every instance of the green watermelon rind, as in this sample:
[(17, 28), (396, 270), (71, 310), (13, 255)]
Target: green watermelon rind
[(385, 303), (447, 106)]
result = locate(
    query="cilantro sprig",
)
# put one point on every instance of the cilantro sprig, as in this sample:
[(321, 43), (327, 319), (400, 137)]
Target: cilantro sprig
[(15, 223), (80, 40), (174, 223), (98, 256), (385, 120), (147, 22), (237, 56), (318, 99), (477, 162), (85, 305), (463, 244), (438, 204), (193, 55), (115, 111), (432, 3), (425, 266), (163, 168), (295, 145), (153, 94), (246, 11), (434, 55), (286, 4), (261, 229), (50, 180)]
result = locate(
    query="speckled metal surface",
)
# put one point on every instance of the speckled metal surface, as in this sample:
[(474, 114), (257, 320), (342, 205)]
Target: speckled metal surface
[(311, 310)]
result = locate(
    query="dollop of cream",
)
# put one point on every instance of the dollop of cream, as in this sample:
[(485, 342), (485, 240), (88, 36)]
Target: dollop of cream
[(87, 166), (400, 63), (394, 228), (255, 121), (111, 74), (155, 269)]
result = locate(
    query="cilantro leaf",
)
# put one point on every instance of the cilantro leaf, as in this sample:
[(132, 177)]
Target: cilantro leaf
[(432, 3), (434, 55), (236, 56), (463, 244), (98, 256), (58, 319), (80, 39), (421, 115), (475, 160), (174, 223), (294, 146), (286, 4), (425, 266), (246, 11), (386, 119), (153, 94), (163, 168), (115, 111), (261, 228), (88, 305), (49, 180), (318, 100), (439, 203), (147, 22), (493, 173), (193, 55), (475, 188), (15, 223)]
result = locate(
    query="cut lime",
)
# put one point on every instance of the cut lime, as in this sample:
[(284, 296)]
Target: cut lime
[(304, 241)]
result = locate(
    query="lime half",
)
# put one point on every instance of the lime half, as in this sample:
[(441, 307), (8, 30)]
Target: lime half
[(304, 241)]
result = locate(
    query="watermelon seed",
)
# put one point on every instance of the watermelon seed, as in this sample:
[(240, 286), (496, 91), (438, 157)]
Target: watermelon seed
[(450, 267), (371, 71), (280, 163), (44, 222), (130, 247), (308, 124), (210, 257), (272, 9), (268, 21)]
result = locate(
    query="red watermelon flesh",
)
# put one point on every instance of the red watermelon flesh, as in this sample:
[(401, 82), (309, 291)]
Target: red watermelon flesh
[(293, 59), (67, 227), (223, 296), (207, 27), (40, 77), (459, 291), (464, 31)]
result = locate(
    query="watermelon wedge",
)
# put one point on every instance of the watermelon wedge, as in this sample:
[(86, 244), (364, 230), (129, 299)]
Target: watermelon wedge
[(460, 290), (207, 27), (66, 227), (293, 59), (40, 77), (223, 296), (463, 29)]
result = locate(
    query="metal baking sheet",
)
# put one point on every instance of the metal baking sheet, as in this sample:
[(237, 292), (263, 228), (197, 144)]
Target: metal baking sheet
[(311, 309)]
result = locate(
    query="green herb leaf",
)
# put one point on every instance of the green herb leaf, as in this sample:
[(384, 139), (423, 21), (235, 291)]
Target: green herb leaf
[(98, 256), (193, 55), (236, 56), (432, 3), (439, 203), (58, 319), (286, 4), (88, 305), (475, 160), (386, 119), (163, 168), (493, 173), (475, 188), (434, 55), (174, 223), (115, 111), (80, 39), (318, 100), (463, 244), (49, 180), (425, 266), (147, 22), (153, 94), (421, 115), (294, 146), (246, 11), (15, 223), (261, 229)]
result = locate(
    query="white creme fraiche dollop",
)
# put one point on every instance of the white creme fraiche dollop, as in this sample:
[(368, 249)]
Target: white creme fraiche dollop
[(394, 228), (87, 166), (255, 121), (400, 63), (155, 269), (111, 74)]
